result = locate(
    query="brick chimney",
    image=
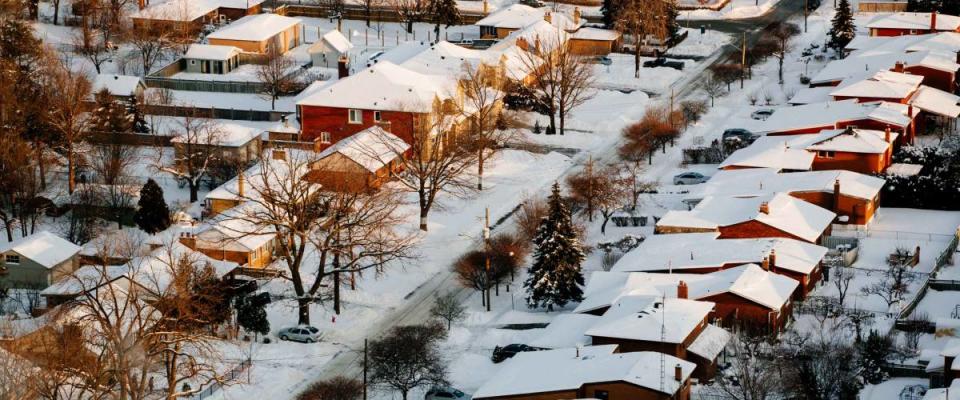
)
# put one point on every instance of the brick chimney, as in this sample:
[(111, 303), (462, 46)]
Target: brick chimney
[(189, 240), (886, 135), (765, 264), (765, 208), (240, 184), (683, 291), (547, 17), (678, 373), (933, 21), (343, 67), (958, 57), (142, 4), (279, 154), (836, 196), (772, 258), (486, 7), (898, 67), (576, 15)]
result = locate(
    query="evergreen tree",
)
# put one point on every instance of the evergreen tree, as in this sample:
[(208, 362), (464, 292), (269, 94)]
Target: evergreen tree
[(873, 353), (609, 10), (251, 314), (555, 276), (445, 12), (138, 123), (109, 116), (843, 28), (152, 214)]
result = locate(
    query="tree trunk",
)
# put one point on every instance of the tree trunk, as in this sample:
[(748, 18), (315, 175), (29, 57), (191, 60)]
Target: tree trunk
[(303, 311), (483, 295), (780, 70), (563, 121), (553, 122), (56, 11), (194, 190), (423, 218), (480, 169), (636, 59), (71, 170), (336, 283), (409, 30), (603, 226), (38, 145)]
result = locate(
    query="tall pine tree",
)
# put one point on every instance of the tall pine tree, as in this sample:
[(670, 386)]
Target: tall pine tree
[(152, 214), (873, 354), (445, 12), (843, 28), (609, 10), (555, 276)]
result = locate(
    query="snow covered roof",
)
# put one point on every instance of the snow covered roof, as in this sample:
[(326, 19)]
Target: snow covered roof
[(942, 43), (588, 33), (85, 278), (771, 152), (809, 95), (666, 320), (566, 330), (951, 349), (117, 85), (337, 41), (942, 393), (548, 35), (232, 230), (683, 251), (371, 148), (852, 141), (827, 114), (914, 20), (936, 101), (154, 271), (189, 10), (902, 169), (43, 248), (563, 370), (750, 282), (784, 212), (515, 16), (254, 176), (385, 86), (227, 133), (883, 84), (862, 64), (199, 51), (757, 181), (710, 342), (255, 28)]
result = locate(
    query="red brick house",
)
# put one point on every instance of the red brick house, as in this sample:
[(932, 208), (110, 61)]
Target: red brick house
[(912, 23), (364, 161), (858, 150), (815, 117)]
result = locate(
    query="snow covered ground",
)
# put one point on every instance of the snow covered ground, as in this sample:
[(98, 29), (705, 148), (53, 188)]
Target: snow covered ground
[(736, 9)]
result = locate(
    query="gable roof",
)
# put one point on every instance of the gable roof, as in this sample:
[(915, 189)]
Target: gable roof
[(189, 10), (683, 251), (117, 85), (386, 87), (372, 148), (758, 181), (749, 282), (563, 369), (771, 152), (852, 141), (200, 51), (785, 213), (337, 41), (710, 342), (257, 27), (828, 114), (914, 20), (43, 248), (883, 84), (936, 101), (663, 320)]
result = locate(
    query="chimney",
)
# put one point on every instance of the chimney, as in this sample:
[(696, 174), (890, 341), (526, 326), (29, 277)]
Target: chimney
[(678, 373), (958, 57), (189, 240), (547, 17), (576, 15), (765, 264), (836, 196), (898, 67), (773, 258), (343, 67), (142, 4), (683, 291), (240, 182), (886, 136), (765, 208), (933, 21), (486, 7), (279, 154)]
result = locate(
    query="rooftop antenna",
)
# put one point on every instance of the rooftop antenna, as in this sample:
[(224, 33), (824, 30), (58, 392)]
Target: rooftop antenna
[(663, 338)]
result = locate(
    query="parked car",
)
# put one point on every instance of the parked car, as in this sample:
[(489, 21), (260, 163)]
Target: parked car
[(662, 62), (762, 114), (373, 58), (443, 393), (739, 134), (510, 350), (689, 178), (601, 60), (302, 333)]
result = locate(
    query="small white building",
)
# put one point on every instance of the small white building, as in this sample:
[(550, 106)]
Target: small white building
[(328, 50), (211, 59), (119, 86)]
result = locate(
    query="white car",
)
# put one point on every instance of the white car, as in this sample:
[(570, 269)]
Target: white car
[(302, 333), (762, 114), (689, 178)]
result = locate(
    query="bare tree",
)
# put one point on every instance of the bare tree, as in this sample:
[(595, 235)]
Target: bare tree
[(277, 74), (151, 41), (482, 106), (842, 277), (754, 374), (782, 33), (726, 73), (448, 308), (408, 357), (16, 177), (639, 19), (410, 11), (336, 388), (91, 45), (562, 79), (896, 279), (713, 86), (15, 374), (71, 91), (472, 272), (597, 189), (196, 150)]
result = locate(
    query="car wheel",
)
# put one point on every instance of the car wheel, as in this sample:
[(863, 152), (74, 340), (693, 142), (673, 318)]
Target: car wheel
[(308, 340), (678, 183), (284, 337)]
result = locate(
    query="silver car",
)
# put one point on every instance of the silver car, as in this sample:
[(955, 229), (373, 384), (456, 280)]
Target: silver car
[(302, 333), (689, 178)]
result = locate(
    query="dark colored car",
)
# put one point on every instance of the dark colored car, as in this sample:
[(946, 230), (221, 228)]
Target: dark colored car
[(510, 350), (662, 62), (739, 134)]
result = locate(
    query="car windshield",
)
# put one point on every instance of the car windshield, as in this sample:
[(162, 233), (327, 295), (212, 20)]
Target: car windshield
[(311, 329)]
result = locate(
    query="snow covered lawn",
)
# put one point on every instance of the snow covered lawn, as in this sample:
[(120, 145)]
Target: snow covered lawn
[(736, 9)]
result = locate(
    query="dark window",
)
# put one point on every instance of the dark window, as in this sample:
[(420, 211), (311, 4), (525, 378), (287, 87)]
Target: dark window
[(602, 395), (13, 259)]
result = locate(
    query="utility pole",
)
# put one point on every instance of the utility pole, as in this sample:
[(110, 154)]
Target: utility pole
[(364, 369), (743, 58), (486, 245), (806, 12)]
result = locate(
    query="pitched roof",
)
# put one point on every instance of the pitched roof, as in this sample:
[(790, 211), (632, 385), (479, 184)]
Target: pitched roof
[(588, 33), (757, 181), (771, 152), (827, 114), (914, 20), (372, 148), (563, 369), (666, 320), (515, 16), (883, 84), (852, 141), (210, 52), (750, 282), (43, 248), (710, 342), (566, 330), (257, 27), (684, 251), (337, 41), (189, 10), (936, 101), (785, 213), (385, 86), (117, 85)]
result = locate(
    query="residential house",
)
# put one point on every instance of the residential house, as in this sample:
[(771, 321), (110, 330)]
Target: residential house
[(702, 253), (210, 59), (815, 117), (230, 236), (255, 33), (594, 41), (363, 161), (912, 23), (37, 260), (596, 372), (191, 15), (893, 86), (248, 184), (943, 368), (504, 23), (938, 69), (770, 216), (331, 47), (857, 150), (122, 87), (853, 196), (233, 143)]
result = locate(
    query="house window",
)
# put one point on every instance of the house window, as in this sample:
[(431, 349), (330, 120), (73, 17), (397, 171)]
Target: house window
[(193, 62), (356, 116), (602, 395), (13, 259), (826, 154), (324, 137), (377, 116)]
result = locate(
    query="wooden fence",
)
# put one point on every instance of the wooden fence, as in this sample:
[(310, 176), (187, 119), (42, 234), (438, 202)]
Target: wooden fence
[(213, 112), (232, 375)]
